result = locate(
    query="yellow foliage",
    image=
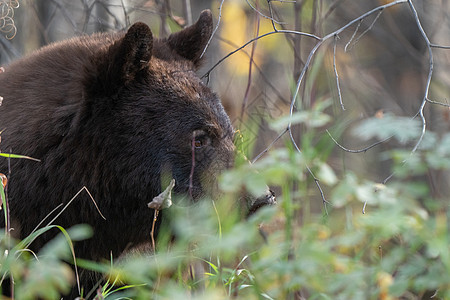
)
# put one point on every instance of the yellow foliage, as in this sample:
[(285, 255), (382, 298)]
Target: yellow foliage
[(237, 28), (323, 233), (272, 42), (340, 266), (234, 24), (384, 280)]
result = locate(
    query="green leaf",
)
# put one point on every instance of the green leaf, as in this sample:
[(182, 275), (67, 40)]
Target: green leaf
[(402, 129), (326, 174), (311, 119)]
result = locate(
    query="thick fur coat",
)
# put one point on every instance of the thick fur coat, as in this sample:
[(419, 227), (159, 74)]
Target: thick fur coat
[(116, 113)]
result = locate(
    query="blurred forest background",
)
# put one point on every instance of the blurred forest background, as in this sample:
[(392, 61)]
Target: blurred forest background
[(378, 68), (383, 71)]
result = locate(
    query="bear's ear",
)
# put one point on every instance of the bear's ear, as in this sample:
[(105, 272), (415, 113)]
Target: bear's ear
[(122, 62), (133, 52), (191, 41)]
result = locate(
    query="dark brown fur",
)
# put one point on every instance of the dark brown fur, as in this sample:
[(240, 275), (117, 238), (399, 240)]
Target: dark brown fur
[(114, 113)]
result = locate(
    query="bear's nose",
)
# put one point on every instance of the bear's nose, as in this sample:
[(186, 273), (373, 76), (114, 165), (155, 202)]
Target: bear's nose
[(267, 199)]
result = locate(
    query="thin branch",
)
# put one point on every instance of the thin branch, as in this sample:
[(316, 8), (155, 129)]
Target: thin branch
[(307, 64), (316, 181), (261, 73), (439, 46), (388, 178), (336, 75), (428, 83), (272, 20), (263, 15), (330, 35), (365, 31), (152, 232), (255, 39), (438, 103), (303, 72), (214, 32), (353, 35), (359, 150), (430, 74), (300, 78), (270, 146)]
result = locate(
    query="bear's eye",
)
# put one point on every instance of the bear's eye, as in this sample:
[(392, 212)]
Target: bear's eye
[(198, 143), (200, 139)]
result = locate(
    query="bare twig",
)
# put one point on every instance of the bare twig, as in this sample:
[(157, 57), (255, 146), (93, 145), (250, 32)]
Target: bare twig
[(438, 103), (152, 233), (270, 146), (388, 178), (336, 75), (353, 35), (306, 66), (263, 15), (425, 99), (328, 36), (430, 74), (308, 63), (254, 40), (363, 150), (316, 181), (261, 73), (214, 31), (363, 33), (272, 20), (439, 46)]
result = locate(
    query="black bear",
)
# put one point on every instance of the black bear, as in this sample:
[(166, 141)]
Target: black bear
[(111, 112)]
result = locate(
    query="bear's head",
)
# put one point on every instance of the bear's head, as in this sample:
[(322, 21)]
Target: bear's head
[(165, 121)]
